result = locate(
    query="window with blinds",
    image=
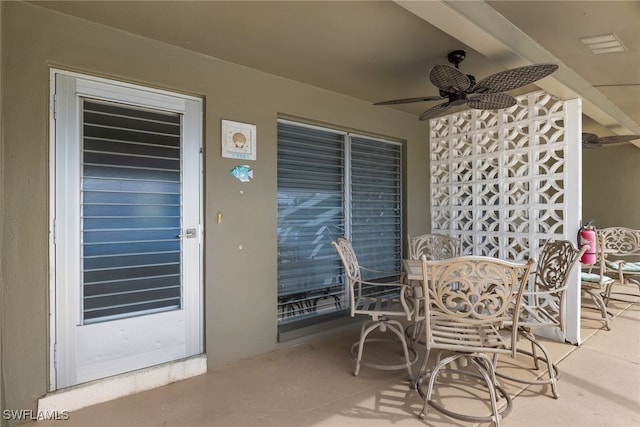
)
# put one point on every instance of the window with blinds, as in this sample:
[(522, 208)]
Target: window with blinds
[(131, 212), (331, 184)]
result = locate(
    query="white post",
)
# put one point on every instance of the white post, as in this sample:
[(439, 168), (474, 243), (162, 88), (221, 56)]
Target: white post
[(573, 207)]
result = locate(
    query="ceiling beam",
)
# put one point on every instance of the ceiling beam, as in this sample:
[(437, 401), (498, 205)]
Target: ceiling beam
[(482, 28)]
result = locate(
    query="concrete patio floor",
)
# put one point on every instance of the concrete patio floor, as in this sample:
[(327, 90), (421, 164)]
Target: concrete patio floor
[(311, 384)]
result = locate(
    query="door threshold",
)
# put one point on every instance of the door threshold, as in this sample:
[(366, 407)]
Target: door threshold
[(104, 390)]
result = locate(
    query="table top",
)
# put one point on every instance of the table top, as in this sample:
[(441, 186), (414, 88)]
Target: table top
[(413, 268)]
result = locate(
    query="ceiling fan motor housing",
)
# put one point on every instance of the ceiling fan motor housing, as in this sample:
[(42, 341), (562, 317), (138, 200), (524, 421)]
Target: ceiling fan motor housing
[(457, 98), (457, 56)]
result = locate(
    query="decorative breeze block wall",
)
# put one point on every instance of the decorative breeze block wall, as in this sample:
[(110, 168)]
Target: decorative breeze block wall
[(499, 179)]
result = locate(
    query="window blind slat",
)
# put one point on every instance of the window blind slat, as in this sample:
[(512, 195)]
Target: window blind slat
[(376, 203), (312, 163), (310, 216)]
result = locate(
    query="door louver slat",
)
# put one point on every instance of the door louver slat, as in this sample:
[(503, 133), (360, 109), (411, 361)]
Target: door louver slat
[(131, 214)]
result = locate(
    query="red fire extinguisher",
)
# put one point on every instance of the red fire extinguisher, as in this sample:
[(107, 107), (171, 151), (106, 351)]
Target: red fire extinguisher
[(587, 236)]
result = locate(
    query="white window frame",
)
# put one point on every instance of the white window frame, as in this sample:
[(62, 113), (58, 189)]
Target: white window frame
[(348, 138)]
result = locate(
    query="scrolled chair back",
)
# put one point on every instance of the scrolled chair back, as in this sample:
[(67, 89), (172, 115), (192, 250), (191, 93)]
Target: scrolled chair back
[(434, 246), (348, 256), (474, 289), (556, 261), (619, 241)]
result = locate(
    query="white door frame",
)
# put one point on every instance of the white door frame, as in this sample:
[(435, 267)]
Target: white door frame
[(192, 129)]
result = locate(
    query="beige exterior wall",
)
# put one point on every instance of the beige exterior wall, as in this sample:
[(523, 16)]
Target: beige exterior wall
[(240, 286), (611, 186), (2, 394)]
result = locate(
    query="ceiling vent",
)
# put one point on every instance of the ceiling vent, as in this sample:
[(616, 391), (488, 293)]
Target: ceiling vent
[(603, 43)]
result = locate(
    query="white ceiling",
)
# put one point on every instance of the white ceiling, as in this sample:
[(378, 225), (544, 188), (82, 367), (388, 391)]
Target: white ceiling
[(379, 50)]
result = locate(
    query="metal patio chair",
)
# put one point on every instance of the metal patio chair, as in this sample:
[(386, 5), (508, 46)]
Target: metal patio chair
[(621, 256), (543, 304), (596, 284), (383, 302), (467, 300), (434, 246)]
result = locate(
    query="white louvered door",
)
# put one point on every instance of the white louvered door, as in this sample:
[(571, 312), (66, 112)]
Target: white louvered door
[(127, 228)]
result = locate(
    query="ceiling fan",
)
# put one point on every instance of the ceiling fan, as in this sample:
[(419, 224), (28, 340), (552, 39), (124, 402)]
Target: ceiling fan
[(591, 140), (459, 88)]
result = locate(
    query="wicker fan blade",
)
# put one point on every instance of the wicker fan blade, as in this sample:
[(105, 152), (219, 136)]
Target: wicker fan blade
[(512, 79), (492, 101), (589, 138), (449, 79), (617, 138), (591, 145), (435, 111), (409, 100)]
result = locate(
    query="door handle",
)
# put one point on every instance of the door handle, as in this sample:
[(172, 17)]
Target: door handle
[(189, 233)]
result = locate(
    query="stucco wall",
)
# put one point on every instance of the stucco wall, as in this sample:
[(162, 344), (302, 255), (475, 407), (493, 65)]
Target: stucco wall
[(3, 422), (611, 186), (240, 286)]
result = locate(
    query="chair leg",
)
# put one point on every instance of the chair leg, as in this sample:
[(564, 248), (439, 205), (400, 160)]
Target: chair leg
[(599, 302), (534, 355), (432, 380), (625, 280), (422, 373), (396, 328), (413, 331), (410, 355), (423, 366), (607, 294), (486, 371), (366, 328), (552, 370)]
